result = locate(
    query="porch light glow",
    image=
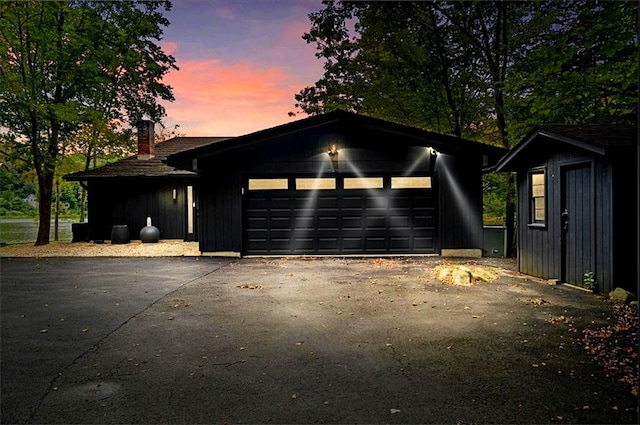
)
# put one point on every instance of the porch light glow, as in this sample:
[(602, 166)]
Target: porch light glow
[(333, 150)]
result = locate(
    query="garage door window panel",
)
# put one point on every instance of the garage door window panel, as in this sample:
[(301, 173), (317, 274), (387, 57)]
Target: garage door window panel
[(363, 183), (322, 183), (410, 182), (268, 184)]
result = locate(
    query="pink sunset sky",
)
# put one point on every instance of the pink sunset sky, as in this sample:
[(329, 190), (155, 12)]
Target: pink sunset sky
[(241, 63)]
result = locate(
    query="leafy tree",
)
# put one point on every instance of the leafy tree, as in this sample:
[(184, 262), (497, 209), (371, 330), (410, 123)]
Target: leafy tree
[(64, 63), (98, 142), (15, 182), (582, 67)]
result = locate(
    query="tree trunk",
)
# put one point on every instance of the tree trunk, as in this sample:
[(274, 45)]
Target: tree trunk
[(45, 170), (83, 200), (45, 186), (56, 223)]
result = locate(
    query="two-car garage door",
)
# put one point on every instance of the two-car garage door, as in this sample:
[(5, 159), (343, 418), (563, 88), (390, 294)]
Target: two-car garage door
[(339, 215)]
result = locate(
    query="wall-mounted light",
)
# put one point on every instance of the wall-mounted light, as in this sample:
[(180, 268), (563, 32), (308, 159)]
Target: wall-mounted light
[(433, 152), (175, 194), (333, 150)]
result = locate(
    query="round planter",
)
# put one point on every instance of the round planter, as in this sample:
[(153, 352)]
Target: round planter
[(149, 234), (120, 234)]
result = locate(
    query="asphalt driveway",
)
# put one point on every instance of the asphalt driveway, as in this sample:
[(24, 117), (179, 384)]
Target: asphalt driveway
[(204, 340)]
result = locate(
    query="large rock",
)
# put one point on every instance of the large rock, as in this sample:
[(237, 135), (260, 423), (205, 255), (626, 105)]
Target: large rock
[(621, 296), (460, 276)]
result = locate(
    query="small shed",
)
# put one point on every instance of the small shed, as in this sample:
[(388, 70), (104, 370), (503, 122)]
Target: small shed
[(578, 204), (340, 184)]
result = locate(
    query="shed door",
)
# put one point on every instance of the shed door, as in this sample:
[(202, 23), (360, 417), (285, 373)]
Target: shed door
[(577, 223), (338, 215)]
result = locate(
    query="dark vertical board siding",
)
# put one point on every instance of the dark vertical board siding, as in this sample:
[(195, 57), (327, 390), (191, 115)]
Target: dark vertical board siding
[(221, 213), (234, 199), (123, 202), (459, 202), (604, 229), (625, 220), (538, 246)]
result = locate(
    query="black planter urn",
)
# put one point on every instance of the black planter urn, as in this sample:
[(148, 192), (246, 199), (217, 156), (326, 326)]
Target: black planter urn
[(120, 234), (149, 233)]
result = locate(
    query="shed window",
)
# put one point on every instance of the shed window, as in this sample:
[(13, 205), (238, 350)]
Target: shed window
[(537, 191)]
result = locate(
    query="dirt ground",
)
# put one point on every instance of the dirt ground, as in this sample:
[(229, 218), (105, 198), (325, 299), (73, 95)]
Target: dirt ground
[(342, 340), (163, 248)]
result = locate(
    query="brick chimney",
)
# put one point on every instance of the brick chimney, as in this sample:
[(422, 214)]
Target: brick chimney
[(146, 140)]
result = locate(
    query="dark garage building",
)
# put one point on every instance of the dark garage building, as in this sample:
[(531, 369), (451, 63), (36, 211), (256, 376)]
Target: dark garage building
[(578, 204), (340, 183)]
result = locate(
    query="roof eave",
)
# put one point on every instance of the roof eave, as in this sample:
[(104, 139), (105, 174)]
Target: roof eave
[(442, 142), (505, 164), (84, 177)]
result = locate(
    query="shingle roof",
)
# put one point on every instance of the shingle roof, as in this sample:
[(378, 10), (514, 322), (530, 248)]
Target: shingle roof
[(598, 135), (154, 167), (598, 139)]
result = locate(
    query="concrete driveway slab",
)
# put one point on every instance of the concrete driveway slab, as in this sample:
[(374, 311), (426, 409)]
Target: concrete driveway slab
[(344, 341)]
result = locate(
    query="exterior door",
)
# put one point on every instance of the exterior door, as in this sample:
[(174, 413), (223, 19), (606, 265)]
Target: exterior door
[(577, 223)]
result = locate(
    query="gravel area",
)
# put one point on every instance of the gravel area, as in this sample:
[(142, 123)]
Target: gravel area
[(166, 248)]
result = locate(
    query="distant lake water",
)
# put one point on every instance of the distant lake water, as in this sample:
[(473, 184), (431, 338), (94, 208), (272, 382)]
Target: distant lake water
[(25, 230)]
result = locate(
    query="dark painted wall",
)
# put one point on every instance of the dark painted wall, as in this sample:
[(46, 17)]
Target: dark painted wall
[(131, 201), (612, 196), (625, 255), (459, 183), (359, 153)]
